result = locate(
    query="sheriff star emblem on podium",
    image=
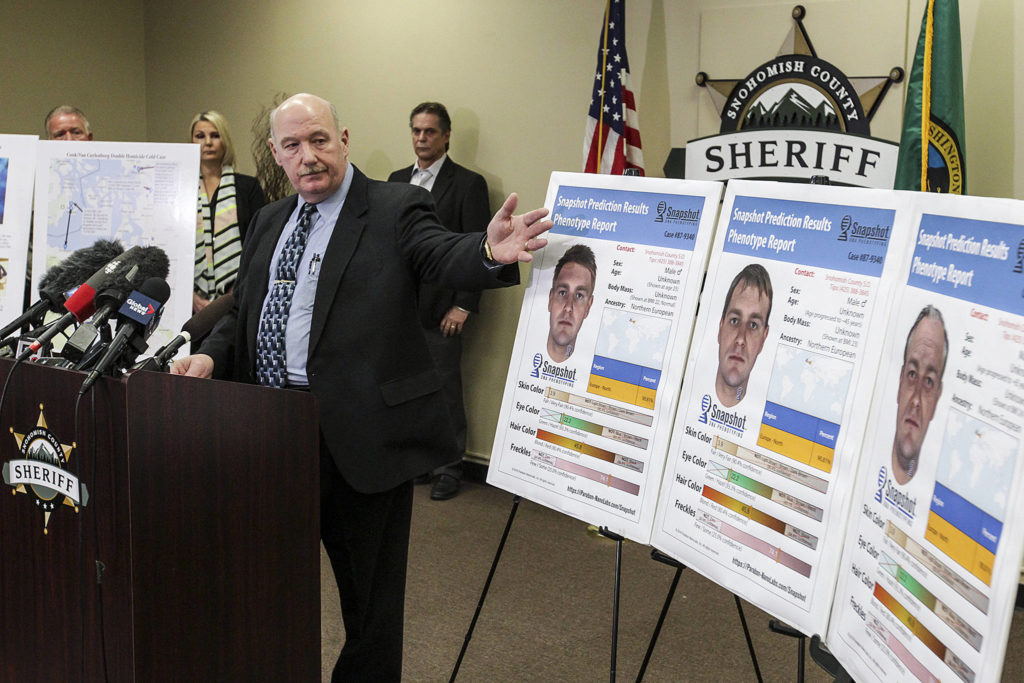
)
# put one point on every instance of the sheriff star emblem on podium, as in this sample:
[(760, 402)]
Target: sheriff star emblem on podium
[(41, 472)]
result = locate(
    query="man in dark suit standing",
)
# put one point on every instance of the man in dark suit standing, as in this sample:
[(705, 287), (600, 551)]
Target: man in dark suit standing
[(325, 302), (462, 206)]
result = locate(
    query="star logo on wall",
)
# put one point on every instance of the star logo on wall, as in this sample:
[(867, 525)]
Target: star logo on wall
[(798, 89)]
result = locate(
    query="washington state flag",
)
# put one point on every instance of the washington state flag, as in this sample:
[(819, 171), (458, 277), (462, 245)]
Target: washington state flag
[(932, 144)]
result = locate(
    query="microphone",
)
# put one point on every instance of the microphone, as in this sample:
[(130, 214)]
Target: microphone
[(197, 327), (135, 265), (79, 343), (81, 264), (150, 263), (139, 315), (147, 263), (163, 357), (79, 306), (63, 277), (205, 320)]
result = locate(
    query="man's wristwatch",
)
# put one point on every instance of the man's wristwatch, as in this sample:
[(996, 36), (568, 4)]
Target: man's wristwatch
[(485, 251)]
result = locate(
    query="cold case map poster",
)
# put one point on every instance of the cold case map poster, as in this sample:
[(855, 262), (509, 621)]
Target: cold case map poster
[(140, 194)]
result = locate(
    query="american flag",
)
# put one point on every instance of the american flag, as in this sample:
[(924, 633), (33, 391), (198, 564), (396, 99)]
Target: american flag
[(613, 135)]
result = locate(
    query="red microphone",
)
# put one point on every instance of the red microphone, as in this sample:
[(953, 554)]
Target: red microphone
[(79, 305)]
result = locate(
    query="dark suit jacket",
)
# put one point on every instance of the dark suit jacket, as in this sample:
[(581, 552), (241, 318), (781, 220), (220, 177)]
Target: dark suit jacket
[(249, 199), (381, 413), (462, 206)]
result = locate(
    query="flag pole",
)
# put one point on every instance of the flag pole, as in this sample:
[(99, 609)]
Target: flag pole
[(926, 91), (604, 70)]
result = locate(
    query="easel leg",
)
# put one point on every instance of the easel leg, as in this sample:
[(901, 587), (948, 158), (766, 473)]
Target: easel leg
[(750, 643), (672, 562), (660, 557), (827, 661), (786, 630), (487, 585), (615, 599)]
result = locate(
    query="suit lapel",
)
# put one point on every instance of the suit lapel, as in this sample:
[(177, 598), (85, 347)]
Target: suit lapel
[(443, 182), (259, 276), (341, 247), (402, 175)]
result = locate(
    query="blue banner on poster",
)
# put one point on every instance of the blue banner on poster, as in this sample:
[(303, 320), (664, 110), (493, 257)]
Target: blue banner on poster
[(851, 239), (972, 260), (648, 218)]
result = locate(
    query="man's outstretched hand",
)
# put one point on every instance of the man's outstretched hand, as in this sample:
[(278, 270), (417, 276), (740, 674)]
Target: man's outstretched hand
[(514, 238)]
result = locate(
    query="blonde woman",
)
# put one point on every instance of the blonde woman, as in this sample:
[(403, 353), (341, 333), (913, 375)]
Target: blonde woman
[(227, 200)]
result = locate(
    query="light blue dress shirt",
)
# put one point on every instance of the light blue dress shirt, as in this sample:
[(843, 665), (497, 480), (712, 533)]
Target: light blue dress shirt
[(300, 316)]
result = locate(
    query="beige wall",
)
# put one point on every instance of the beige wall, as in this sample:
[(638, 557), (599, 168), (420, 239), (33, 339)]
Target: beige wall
[(515, 75), (993, 91), (89, 55)]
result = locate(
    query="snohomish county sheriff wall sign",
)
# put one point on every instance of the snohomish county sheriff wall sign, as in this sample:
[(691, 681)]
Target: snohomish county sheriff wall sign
[(792, 118)]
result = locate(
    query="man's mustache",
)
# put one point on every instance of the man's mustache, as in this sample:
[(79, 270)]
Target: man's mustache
[(312, 170)]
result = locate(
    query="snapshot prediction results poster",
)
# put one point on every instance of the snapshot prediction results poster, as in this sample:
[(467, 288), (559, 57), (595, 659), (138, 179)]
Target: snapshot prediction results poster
[(774, 402), (17, 170), (140, 194), (601, 346), (933, 552)]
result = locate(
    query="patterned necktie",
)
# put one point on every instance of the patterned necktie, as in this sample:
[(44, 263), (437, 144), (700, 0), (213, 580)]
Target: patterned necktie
[(271, 367)]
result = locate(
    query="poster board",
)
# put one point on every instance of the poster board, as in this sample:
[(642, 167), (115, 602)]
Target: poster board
[(140, 194), (774, 403), (932, 559), (17, 172), (598, 358)]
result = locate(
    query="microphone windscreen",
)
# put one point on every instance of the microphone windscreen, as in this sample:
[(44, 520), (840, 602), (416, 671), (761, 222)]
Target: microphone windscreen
[(55, 274), (78, 266), (156, 288), (114, 271), (82, 303), (129, 270), (152, 263), (202, 322)]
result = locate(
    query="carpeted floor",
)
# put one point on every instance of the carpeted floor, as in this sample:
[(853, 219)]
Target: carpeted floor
[(548, 614)]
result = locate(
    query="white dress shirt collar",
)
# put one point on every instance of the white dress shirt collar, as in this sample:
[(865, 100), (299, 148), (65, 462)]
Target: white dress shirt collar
[(433, 170)]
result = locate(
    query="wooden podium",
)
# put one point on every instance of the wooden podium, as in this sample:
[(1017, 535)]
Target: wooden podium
[(201, 516)]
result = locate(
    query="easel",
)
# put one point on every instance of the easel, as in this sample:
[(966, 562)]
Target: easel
[(487, 586), (490, 575), (655, 555), (665, 559), (819, 653), (774, 625)]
